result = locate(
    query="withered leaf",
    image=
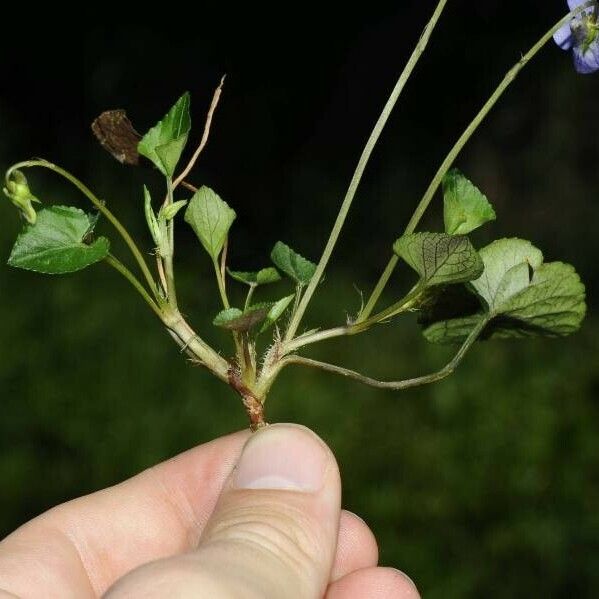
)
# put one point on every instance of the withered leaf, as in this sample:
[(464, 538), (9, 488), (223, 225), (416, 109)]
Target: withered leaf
[(116, 134)]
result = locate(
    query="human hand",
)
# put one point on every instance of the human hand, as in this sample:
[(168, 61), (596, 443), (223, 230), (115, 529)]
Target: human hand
[(249, 516)]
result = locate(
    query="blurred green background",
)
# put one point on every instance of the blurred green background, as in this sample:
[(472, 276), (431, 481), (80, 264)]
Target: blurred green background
[(485, 485)]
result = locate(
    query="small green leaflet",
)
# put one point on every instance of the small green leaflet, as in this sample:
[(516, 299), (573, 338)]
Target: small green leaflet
[(518, 295), (292, 264), (234, 319), (164, 143), (276, 311), (440, 259), (465, 208), (260, 277), (169, 212), (55, 244), (210, 218), (158, 233)]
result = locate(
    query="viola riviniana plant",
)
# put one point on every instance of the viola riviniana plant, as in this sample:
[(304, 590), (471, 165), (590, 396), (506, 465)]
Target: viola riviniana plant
[(460, 293)]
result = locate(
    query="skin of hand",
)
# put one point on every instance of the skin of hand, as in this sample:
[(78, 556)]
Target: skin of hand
[(252, 516)]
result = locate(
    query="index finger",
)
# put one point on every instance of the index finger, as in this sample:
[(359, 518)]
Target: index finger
[(81, 547)]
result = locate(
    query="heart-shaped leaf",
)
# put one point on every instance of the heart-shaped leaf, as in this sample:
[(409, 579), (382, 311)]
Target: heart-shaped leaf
[(57, 242), (440, 259), (519, 296)]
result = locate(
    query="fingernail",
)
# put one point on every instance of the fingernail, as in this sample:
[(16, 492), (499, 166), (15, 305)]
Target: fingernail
[(282, 457)]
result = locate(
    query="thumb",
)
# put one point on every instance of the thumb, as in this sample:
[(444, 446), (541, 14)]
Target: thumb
[(272, 534)]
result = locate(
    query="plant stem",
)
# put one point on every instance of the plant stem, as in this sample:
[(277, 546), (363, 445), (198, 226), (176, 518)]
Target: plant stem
[(248, 298), (221, 285), (120, 267), (396, 385), (357, 176), (169, 270), (101, 206), (457, 148), (354, 328), (189, 341)]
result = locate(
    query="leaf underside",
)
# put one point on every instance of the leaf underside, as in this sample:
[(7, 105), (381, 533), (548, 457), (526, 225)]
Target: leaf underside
[(440, 259), (518, 296)]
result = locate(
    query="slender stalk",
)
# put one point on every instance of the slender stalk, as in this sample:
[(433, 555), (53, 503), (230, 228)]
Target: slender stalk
[(354, 328), (357, 176), (205, 135), (221, 285), (101, 206), (169, 270), (248, 298), (457, 148), (120, 267), (396, 385)]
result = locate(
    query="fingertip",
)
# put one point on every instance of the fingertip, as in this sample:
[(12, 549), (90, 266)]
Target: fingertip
[(374, 583), (356, 546)]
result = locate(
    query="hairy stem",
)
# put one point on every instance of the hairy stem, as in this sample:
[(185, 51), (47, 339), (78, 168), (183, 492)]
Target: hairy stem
[(357, 176), (396, 385), (101, 206), (457, 148), (189, 341)]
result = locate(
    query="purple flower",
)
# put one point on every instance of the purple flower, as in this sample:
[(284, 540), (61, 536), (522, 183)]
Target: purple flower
[(581, 35)]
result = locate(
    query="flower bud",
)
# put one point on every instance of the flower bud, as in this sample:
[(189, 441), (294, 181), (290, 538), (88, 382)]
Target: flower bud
[(18, 192)]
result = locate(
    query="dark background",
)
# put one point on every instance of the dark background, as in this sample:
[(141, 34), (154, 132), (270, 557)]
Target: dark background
[(485, 485)]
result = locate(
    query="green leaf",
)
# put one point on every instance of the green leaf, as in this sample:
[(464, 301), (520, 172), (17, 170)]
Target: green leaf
[(234, 319), (210, 218), (519, 296), (276, 311), (440, 259), (260, 277), (56, 243), (164, 143), (292, 264), (465, 207), (507, 263)]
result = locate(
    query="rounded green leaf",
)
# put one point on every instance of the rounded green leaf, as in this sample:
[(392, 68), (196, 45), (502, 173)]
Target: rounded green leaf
[(57, 242)]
